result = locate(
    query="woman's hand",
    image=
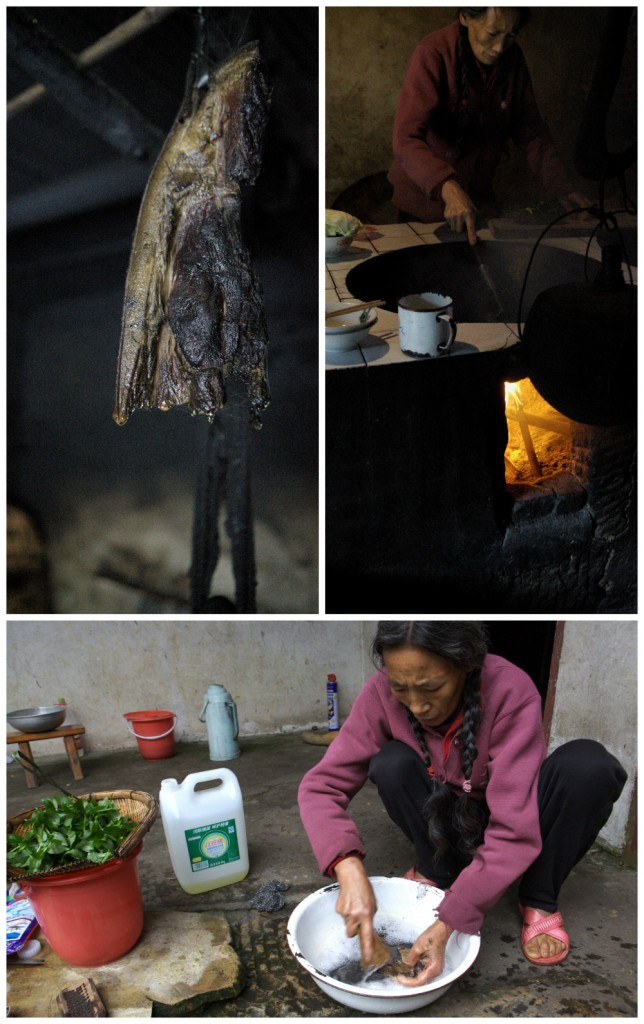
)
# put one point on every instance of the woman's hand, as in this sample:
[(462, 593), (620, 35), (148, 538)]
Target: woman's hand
[(429, 948), (460, 211), (356, 903), (578, 202)]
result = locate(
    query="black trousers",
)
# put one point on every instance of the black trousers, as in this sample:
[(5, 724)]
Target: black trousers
[(578, 785)]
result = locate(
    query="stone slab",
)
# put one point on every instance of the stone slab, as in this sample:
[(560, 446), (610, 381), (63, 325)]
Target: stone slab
[(181, 962)]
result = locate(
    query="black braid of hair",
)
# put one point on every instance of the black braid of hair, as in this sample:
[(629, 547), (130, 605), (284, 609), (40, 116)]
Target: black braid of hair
[(455, 824), (468, 129), (463, 114), (471, 720)]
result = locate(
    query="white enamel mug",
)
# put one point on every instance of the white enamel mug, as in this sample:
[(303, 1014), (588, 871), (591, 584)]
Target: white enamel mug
[(426, 325)]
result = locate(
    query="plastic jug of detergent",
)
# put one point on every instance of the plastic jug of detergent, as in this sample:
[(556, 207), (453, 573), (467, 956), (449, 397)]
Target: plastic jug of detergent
[(219, 712), (205, 830)]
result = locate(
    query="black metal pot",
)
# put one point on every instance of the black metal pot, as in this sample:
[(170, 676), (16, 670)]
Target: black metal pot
[(579, 342)]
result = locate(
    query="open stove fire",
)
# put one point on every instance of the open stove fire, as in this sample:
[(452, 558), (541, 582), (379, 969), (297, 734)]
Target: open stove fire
[(539, 437), (473, 492)]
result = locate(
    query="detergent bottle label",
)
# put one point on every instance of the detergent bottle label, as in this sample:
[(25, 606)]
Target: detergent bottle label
[(210, 846)]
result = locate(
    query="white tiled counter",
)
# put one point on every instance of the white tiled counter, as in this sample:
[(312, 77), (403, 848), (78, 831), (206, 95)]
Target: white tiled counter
[(419, 511), (382, 346)]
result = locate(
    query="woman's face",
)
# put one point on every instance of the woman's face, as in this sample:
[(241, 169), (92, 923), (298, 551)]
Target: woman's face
[(430, 686), (493, 33)]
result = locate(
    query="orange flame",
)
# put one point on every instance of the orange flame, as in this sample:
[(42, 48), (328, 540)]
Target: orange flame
[(513, 393)]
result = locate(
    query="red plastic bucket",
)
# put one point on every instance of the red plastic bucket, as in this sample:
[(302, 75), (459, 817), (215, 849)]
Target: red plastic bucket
[(154, 731), (92, 916)]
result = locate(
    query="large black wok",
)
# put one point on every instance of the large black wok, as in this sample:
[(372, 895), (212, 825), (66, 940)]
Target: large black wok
[(451, 268), (579, 345)]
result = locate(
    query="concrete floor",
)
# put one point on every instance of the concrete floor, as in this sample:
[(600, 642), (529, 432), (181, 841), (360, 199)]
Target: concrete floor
[(598, 979)]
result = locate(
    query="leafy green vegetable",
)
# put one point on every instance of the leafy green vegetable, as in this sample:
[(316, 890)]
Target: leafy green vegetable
[(543, 209), (67, 830), (336, 222)]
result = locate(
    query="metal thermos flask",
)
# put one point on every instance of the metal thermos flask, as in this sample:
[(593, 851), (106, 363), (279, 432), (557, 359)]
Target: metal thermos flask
[(219, 712)]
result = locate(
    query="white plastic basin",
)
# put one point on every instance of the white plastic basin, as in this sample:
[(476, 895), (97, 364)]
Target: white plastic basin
[(316, 936)]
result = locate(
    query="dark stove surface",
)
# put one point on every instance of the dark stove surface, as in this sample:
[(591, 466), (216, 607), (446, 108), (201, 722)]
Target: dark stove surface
[(452, 269)]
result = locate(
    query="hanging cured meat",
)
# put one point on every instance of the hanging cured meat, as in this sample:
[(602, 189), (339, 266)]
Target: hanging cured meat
[(193, 312)]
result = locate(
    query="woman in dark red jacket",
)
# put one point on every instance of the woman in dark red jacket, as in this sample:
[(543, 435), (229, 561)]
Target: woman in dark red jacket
[(452, 738), (466, 94)]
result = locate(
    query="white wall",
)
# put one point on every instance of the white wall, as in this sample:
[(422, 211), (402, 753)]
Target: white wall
[(597, 698), (276, 672)]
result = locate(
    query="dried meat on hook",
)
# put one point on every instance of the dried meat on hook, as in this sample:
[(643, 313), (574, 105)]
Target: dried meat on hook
[(193, 312)]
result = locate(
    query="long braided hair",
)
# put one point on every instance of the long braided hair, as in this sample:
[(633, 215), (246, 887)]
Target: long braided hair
[(469, 131), (455, 824)]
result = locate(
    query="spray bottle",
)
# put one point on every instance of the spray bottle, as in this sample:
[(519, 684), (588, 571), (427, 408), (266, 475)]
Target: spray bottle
[(333, 714)]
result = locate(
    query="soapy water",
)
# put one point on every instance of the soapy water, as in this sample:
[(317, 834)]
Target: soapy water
[(399, 940), (352, 973)]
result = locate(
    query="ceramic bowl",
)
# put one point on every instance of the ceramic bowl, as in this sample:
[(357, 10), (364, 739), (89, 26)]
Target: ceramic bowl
[(346, 330), (335, 245), (316, 936), (37, 719)]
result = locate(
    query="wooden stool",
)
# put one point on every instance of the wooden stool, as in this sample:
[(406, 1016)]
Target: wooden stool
[(66, 733)]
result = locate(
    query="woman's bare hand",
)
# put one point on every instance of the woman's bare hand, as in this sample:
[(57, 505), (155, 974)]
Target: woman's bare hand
[(460, 211), (356, 902), (429, 948), (579, 203)]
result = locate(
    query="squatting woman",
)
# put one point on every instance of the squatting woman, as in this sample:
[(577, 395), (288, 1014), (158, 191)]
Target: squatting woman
[(452, 738)]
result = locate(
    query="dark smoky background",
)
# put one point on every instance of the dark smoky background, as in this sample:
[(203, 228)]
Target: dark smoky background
[(109, 509)]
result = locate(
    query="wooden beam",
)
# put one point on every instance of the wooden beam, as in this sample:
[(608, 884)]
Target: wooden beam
[(82, 94), (114, 40)]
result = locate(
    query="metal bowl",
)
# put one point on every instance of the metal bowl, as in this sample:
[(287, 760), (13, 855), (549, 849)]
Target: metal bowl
[(37, 719), (316, 936)]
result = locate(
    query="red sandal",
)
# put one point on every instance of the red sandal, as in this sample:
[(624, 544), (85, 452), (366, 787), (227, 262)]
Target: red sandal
[(411, 875), (535, 924)]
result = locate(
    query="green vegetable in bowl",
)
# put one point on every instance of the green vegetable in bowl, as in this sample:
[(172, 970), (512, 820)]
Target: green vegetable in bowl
[(338, 223), (66, 830)]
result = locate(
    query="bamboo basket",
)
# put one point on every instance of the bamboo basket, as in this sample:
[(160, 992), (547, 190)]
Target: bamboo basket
[(132, 803)]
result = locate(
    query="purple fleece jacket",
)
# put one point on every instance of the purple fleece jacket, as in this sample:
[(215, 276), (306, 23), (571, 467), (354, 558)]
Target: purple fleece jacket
[(511, 748), (425, 150)]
